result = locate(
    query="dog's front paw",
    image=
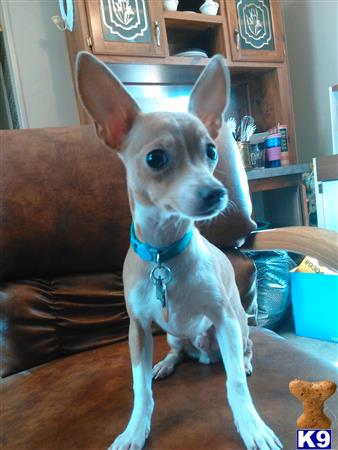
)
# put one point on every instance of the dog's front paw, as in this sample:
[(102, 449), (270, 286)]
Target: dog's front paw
[(163, 369), (135, 435), (131, 439), (257, 435)]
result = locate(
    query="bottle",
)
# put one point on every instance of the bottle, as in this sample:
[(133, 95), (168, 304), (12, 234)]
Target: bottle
[(283, 131), (273, 149)]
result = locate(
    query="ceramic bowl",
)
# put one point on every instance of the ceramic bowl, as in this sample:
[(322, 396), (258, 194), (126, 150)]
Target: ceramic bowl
[(170, 5), (210, 8)]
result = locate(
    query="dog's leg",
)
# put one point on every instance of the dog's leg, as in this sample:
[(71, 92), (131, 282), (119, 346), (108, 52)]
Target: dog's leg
[(167, 366), (141, 347), (254, 432), (248, 357)]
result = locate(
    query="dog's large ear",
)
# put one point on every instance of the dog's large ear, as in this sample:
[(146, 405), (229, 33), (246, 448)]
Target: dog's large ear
[(210, 95), (105, 99)]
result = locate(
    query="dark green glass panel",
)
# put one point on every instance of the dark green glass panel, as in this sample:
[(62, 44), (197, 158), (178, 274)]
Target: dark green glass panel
[(255, 25), (125, 21)]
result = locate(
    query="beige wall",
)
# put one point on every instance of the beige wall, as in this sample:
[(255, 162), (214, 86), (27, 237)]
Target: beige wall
[(42, 61), (312, 40)]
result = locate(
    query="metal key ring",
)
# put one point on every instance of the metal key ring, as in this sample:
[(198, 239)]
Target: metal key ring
[(156, 277)]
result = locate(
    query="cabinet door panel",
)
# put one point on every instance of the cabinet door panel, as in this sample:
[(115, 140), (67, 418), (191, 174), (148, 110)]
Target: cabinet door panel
[(255, 28), (126, 27)]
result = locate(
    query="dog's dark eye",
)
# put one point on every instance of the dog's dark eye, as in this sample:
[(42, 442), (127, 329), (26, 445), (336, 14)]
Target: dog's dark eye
[(212, 152), (157, 159)]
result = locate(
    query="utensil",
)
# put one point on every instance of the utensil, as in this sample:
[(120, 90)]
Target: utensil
[(243, 126), (250, 131), (231, 122)]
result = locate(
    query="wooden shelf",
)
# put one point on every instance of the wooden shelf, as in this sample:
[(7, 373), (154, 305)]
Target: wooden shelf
[(172, 70), (260, 173), (183, 19), (235, 67), (187, 31), (187, 60)]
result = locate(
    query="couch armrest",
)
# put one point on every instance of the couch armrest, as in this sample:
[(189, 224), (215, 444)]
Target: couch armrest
[(316, 242)]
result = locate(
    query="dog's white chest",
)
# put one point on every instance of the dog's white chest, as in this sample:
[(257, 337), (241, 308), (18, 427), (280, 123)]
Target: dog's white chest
[(191, 295)]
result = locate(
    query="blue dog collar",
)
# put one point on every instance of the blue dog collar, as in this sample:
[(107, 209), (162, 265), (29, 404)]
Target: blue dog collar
[(158, 255)]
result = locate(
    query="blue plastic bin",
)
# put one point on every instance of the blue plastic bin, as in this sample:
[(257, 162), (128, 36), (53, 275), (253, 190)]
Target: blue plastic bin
[(315, 305)]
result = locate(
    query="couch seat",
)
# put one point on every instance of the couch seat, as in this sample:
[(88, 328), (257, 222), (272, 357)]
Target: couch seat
[(83, 401)]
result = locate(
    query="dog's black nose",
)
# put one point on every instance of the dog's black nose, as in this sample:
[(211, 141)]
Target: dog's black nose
[(212, 196)]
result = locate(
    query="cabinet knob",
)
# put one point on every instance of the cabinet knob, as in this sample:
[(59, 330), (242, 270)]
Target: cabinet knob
[(157, 33), (236, 37)]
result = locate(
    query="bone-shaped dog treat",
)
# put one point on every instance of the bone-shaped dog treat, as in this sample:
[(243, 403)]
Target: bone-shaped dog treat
[(313, 395)]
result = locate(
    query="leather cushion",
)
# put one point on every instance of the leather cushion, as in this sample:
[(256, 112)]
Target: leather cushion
[(64, 203), (233, 226), (245, 275), (45, 318), (84, 401)]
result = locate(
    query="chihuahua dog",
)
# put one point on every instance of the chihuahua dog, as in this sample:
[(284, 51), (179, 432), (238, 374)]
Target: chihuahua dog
[(172, 275)]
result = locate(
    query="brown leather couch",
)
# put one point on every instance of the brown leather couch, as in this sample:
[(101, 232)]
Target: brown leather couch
[(64, 359)]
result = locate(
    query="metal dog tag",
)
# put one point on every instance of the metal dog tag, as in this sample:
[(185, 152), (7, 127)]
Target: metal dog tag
[(160, 276), (161, 292)]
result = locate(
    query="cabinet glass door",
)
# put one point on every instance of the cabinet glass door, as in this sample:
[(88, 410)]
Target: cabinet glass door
[(255, 30), (126, 27), (125, 20)]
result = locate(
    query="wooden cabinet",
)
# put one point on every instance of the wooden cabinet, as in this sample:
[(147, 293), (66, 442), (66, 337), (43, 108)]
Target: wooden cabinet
[(144, 43), (255, 30), (132, 27), (279, 196)]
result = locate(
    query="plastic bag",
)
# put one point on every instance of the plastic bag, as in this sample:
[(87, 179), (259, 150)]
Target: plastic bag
[(273, 286)]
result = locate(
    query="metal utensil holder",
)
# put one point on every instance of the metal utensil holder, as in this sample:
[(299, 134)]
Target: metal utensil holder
[(244, 151)]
